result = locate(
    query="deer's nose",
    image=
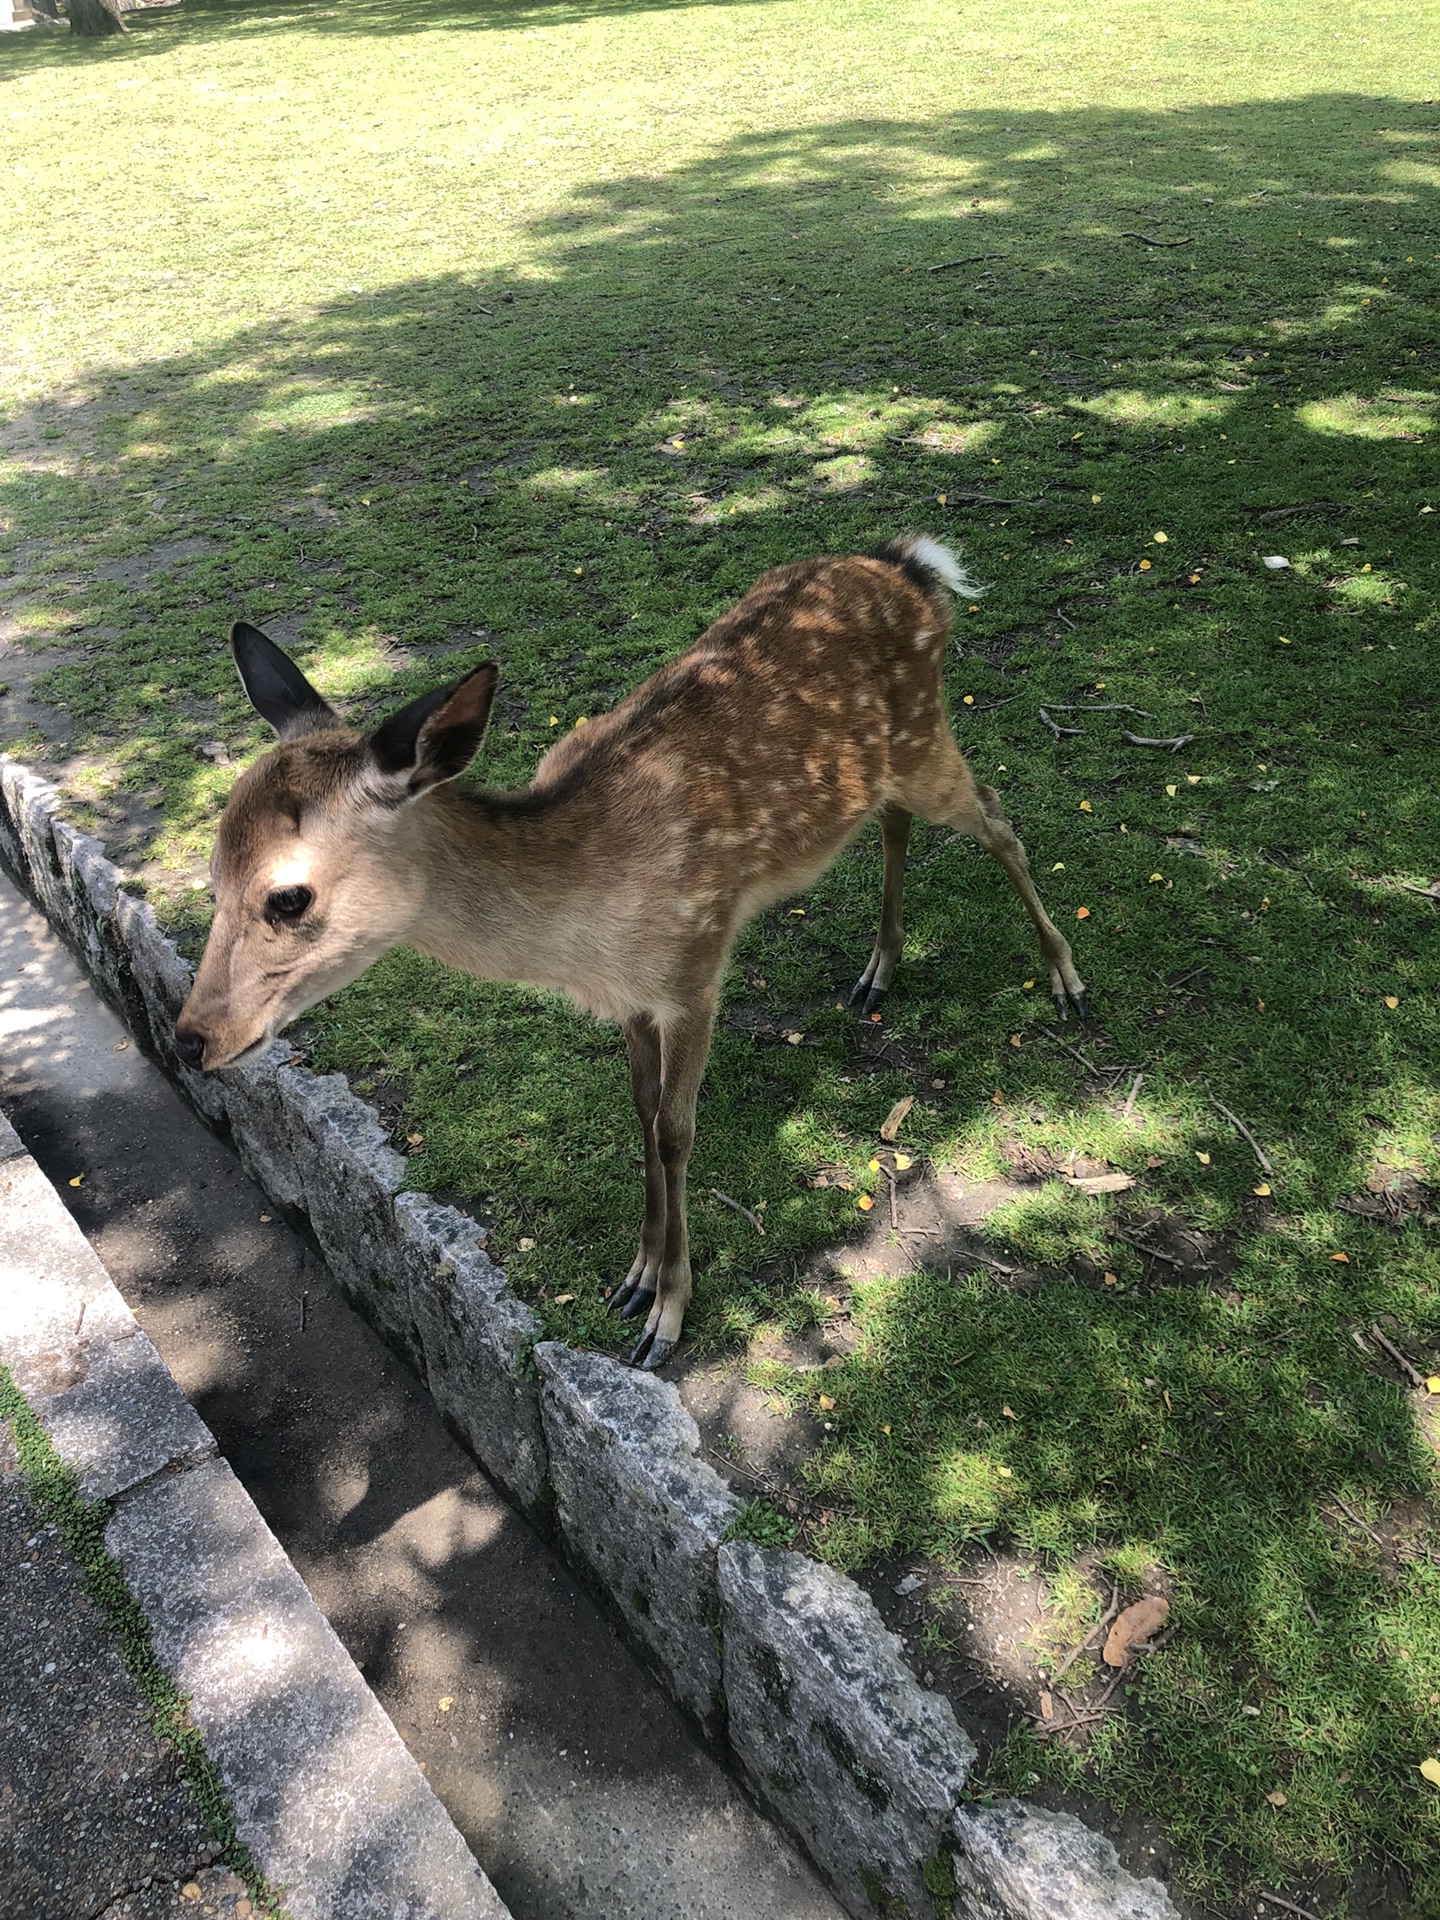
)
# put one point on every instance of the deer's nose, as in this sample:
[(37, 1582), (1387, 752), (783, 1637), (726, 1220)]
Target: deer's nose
[(190, 1046)]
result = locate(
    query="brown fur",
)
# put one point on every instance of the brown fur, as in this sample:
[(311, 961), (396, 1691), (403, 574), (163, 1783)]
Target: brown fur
[(622, 874)]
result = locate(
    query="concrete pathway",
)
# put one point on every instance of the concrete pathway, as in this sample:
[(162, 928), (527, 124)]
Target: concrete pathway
[(579, 1787)]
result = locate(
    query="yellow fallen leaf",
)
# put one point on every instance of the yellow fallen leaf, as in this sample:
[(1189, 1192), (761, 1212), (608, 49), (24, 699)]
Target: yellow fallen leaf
[(1391, 1001), (554, 720), (873, 1165), (1123, 827), (1432, 1385), (1028, 985), (1059, 867), (1156, 876), (1112, 1279), (1193, 779), (583, 721), (579, 570), (1082, 913), (1095, 499), (969, 700), (1014, 1039), (1144, 566), (1171, 790), (885, 1429), (78, 1178), (1009, 1413), (827, 1405), (120, 1046), (445, 1702), (1278, 1799), (525, 1246), (1430, 1770), (942, 499), (1282, 639), (563, 1299), (1343, 1258), (864, 1203), (1261, 1005), (1203, 1158), (1262, 1190), (1005, 1473), (1159, 538), (902, 1161), (1085, 807), (415, 1139)]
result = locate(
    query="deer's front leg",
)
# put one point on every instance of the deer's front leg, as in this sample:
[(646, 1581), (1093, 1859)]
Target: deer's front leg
[(684, 1047), (636, 1293)]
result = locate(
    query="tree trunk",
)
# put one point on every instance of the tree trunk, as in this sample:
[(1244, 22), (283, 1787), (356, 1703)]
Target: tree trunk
[(94, 18)]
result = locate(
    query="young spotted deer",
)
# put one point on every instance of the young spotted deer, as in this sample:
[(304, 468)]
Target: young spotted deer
[(622, 874)]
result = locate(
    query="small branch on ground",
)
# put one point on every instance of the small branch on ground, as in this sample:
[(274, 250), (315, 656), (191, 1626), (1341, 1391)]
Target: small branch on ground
[(1099, 1627), (1154, 1253), (1305, 1913), (1415, 1379), (965, 260), (1241, 1128), (1131, 234), (1097, 706), (1144, 740), (1129, 1107), (736, 1207), (1074, 625), (1432, 892), (1058, 731)]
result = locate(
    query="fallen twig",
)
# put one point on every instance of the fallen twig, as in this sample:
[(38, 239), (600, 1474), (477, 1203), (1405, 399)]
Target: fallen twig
[(1264, 1893), (1150, 241), (1432, 892), (1058, 731), (1364, 1525), (1099, 1627), (736, 1207), (1130, 1097), (965, 260), (1241, 1128), (1415, 1379), (1098, 706), (989, 706), (1144, 740), (1074, 1052), (1074, 625), (1168, 1259)]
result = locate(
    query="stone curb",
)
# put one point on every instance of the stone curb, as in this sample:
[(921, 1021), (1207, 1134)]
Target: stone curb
[(336, 1814), (608, 1458)]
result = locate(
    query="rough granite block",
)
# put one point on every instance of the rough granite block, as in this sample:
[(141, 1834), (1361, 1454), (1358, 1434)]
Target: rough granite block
[(93, 1380), (335, 1811), (640, 1511), (349, 1175), (92, 890), (835, 1734), (10, 1141), (29, 804), (259, 1119), (476, 1338), (1014, 1862)]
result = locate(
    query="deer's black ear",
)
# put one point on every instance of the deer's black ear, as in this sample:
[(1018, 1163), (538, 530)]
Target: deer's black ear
[(436, 736), (277, 689)]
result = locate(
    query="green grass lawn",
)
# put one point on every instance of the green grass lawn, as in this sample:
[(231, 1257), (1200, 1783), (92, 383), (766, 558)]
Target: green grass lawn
[(429, 333)]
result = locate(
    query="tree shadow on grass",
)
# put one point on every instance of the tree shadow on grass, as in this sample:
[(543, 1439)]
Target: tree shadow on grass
[(1213, 325)]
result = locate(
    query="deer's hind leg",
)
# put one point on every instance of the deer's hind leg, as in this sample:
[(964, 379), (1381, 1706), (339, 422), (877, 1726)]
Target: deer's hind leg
[(637, 1290), (895, 833), (684, 1048), (945, 792)]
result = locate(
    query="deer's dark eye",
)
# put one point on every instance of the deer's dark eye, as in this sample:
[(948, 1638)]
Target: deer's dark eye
[(288, 903)]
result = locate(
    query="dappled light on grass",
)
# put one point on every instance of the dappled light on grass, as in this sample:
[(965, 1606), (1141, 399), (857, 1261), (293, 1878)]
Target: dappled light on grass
[(600, 370)]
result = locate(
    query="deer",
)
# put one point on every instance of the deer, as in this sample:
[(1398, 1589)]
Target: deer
[(623, 873)]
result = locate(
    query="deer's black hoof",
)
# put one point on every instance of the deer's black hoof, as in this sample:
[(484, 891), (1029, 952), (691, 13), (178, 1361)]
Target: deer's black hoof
[(1080, 1006), (631, 1301), (1062, 1007), (861, 986), (659, 1351)]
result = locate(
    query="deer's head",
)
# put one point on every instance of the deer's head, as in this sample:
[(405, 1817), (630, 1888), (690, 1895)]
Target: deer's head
[(317, 864)]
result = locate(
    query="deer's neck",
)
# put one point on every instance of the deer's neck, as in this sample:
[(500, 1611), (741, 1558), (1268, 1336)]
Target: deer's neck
[(509, 889)]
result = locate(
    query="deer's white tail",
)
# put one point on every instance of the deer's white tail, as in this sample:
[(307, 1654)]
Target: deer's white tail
[(938, 561)]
